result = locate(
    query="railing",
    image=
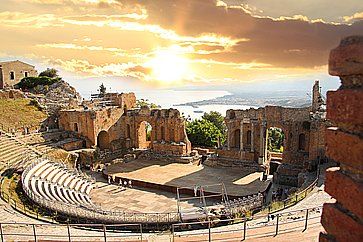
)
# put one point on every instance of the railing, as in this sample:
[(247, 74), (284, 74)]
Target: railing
[(237, 229), (70, 232), (291, 200), (257, 227)]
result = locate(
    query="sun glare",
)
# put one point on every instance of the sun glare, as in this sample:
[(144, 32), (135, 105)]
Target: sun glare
[(169, 65)]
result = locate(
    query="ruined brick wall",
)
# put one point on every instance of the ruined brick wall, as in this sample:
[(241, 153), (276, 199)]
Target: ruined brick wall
[(92, 121), (11, 94), (19, 68), (89, 123), (251, 126), (123, 100), (78, 121), (343, 220), (116, 127), (168, 129)]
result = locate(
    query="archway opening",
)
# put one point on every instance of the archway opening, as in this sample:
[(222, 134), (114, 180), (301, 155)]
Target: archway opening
[(103, 140), (302, 142), (145, 137), (275, 140), (249, 138), (275, 147), (162, 133), (128, 131), (236, 139)]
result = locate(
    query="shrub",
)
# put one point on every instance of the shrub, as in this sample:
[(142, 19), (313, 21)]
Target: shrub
[(49, 72), (31, 82)]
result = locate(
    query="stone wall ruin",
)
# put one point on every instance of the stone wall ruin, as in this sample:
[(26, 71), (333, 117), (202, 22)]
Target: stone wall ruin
[(304, 139), (112, 122)]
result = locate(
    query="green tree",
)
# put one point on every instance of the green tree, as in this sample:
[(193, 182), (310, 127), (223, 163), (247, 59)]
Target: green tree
[(145, 103), (275, 139), (49, 72), (148, 129), (203, 132), (102, 89), (218, 120)]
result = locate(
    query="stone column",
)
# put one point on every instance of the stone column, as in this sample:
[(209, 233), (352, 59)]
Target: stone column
[(241, 136), (228, 138), (262, 139), (252, 136), (261, 158)]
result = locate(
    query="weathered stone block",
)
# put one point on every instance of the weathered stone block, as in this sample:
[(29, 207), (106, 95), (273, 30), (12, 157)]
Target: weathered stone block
[(323, 237), (340, 224), (344, 189), (347, 58), (345, 148), (345, 107)]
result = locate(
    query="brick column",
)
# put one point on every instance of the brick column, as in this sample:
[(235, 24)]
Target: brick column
[(343, 220), (262, 142), (228, 138), (241, 135), (252, 136)]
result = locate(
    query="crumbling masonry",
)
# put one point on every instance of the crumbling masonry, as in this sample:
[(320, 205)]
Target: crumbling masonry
[(113, 123), (247, 131), (343, 220)]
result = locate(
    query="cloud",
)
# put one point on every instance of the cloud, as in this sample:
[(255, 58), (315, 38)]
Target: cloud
[(222, 39), (86, 68), (19, 19), (330, 11), (139, 71), (113, 50), (107, 21), (354, 17), (269, 39)]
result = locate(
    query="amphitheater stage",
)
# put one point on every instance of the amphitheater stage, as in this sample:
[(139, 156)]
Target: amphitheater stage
[(168, 176)]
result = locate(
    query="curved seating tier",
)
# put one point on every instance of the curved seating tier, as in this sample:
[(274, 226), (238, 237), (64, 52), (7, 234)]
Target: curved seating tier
[(73, 188), (13, 152), (52, 185)]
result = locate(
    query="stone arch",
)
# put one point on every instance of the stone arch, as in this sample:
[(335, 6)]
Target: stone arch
[(103, 140), (145, 135), (172, 135), (276, 138), (162, 130), (236, 139), (128, 131), (249, 137), (302, 142)]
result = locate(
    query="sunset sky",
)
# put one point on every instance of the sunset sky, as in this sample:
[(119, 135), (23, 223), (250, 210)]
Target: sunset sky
[(178, 43)]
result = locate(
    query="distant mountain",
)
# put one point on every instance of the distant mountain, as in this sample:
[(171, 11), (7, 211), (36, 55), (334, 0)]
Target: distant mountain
[(294, 99)]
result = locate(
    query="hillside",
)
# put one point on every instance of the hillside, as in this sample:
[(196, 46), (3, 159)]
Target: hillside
[(17, 113)]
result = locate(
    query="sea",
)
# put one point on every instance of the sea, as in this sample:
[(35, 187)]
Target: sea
[(171, 99)]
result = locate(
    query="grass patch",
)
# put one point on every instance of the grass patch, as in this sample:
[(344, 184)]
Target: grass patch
[(19, 113)]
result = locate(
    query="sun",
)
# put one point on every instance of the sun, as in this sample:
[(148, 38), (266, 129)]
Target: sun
[(169, 65)]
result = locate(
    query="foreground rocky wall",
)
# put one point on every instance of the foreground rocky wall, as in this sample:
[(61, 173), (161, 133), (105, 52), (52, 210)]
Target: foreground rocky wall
[(343, 220)]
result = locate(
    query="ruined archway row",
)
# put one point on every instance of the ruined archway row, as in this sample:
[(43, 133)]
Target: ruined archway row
[(167, 133), (247, 133), (118, 124)]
